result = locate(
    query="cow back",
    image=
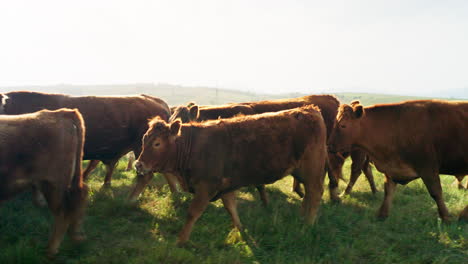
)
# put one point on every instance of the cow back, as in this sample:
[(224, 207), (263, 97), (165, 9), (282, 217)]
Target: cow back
[(114, 124)]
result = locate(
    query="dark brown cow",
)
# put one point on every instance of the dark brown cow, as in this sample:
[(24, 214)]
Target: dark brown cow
[(45, 150), (114, 125), (328, 105), (223, 111), (212, 159), (406, 141)]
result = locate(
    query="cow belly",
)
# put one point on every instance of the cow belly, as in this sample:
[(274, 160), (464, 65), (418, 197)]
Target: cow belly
[(398, 171)]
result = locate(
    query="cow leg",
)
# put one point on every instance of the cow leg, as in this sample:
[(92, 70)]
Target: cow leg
[(171, 181), (142, 181), (131, 159), (38, 198), (91, 166), (367, 169), (263, 195), (229, 202), (355, 173), (389, 187), (297, 188), (335, 165), (312, 173), (200, 201), (110, 166), (313, 195), (76, 206), (432, 182), (460, 178), (55, 201)]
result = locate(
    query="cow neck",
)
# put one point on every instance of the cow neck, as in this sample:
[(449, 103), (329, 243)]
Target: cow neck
[(184, 148), (366, 140)]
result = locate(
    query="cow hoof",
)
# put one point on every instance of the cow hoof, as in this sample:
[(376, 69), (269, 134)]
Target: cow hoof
[(51, 253), (182, 244), (343, 194), (78, 238), (41, 203), (382, 216), (106, 185), (336, 199), (132, 200), (300, 194), (446, 220)]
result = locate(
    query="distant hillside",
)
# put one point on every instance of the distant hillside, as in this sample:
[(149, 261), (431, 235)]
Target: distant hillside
[(176, 94)]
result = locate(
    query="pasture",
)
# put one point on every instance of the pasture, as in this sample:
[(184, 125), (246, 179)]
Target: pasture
[(145, 232)]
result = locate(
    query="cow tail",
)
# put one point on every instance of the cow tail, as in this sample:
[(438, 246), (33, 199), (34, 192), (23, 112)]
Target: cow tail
[(78, 191)]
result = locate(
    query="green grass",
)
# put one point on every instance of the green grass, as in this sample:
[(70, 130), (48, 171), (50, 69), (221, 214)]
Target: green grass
[(119, 232)]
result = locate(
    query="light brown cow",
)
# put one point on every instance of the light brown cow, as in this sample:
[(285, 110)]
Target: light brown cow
[(406, 141), (45, 150), (214, 158)]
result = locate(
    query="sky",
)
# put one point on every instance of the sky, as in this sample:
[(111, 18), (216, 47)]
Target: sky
[(410, 47)]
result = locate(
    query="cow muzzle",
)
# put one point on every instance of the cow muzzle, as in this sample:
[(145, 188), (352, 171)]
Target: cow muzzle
[(141, 168)]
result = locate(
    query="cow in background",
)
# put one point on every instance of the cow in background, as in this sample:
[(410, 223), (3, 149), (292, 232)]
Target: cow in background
[(114, 124), (45, 150), (214, 158), (406, 141)]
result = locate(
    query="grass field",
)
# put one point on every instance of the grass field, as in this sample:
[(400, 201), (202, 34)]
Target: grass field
[(119, 232)]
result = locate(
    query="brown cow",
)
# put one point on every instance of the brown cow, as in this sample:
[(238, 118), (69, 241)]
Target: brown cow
[(328, 105), (45, 150), (114, 125), (406, 141), (214, 158), (192, 112)]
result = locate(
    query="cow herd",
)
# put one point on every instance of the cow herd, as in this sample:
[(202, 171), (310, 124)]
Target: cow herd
[(211, 151)]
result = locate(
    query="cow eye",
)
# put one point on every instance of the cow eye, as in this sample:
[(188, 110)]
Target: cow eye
[(343, 126), (157, 144)]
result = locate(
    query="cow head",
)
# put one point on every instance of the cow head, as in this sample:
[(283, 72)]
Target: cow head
[(185, 113), (159, 147), (346, 128)]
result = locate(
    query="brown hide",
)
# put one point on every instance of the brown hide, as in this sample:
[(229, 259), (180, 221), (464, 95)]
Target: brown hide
[(408, 140), (114, 124), (214, 158), (223, 111), (44, 150), (328, 105)]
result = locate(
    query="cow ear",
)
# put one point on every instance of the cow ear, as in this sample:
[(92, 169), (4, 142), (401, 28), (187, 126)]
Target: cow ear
[(194, 112), (175, 127), (358, 111), (189, 104), (354, 103)]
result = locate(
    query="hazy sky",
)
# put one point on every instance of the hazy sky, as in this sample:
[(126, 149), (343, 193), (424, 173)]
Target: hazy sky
[(405, 47)]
